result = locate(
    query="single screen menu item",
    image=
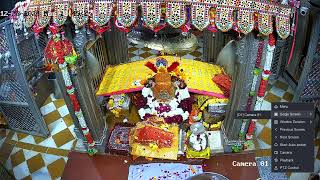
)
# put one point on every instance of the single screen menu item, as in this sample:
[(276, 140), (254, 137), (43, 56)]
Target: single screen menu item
[(293, 133)]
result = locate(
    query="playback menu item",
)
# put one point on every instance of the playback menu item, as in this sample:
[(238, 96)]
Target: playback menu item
[(293, 133)]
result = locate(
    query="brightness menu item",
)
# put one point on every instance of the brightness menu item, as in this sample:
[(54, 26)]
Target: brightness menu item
[(293, 133)]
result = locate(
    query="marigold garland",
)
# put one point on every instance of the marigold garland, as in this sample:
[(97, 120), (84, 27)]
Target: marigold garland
[(57, 50)]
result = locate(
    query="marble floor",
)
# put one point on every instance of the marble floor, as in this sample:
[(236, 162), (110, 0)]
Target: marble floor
[(139, 52), (38, 158)]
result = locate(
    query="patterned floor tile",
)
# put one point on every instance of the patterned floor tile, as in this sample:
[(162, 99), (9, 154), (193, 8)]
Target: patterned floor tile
[(38, 139), (24, 145), (41, 174), (35, 163), (21, 136), (288, 96), (21, 171), (47, 108), (49, 142), (17, 158), (59, 103), (263, 145), (63, 137), (281, 85), (57, 126), (28, 139), (54, 171), (259, 128), (28, 154), (265, 135), (266, 106), (51, 117), (5, 152), (263, 121), (63, 111), (49, 158), (68, 120), (270, 97), (277, 91)]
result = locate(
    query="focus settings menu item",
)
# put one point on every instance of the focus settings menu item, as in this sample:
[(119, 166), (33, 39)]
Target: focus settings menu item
[(293, 135)]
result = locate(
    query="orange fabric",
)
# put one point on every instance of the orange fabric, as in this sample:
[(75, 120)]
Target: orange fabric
[(149, 134)]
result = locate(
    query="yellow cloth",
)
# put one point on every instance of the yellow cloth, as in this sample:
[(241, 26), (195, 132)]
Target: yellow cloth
[(205, 100), (162, 153), (122, 78)]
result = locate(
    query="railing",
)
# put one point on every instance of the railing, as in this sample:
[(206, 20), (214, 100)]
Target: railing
[(98, 50)]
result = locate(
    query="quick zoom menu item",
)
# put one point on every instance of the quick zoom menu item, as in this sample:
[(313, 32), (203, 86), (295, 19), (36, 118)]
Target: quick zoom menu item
[(292, 137)]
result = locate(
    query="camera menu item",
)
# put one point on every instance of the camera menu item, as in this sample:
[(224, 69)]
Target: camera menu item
[(293, 133)]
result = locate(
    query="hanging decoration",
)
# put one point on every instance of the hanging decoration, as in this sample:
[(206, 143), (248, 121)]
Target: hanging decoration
[(224, 16), (37, 29), (44, 15), (30, 16), (102, 11), (80, 14), (205, 14), (176, 14), (200, 16), (60, 50), (245, 17), (60, 13), (126, 12), (212, 25), (263, 83), (265, 23), (17, 15), (151, 13), (283, 26)]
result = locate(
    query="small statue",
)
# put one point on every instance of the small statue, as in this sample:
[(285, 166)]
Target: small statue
[(198, 139), (163, 88)]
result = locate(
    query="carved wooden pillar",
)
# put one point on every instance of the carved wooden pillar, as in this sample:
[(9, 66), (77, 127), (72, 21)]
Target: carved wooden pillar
[(86, 96), (241, 85), (117, 46), (212, 45)]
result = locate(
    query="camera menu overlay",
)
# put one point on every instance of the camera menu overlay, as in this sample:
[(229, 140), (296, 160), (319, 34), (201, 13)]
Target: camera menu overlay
[(292, 137)]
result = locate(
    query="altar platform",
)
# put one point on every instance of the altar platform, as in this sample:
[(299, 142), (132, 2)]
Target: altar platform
[(125, 78)]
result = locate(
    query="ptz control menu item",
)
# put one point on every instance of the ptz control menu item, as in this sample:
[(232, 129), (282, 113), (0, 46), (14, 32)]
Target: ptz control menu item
[(293, 133)]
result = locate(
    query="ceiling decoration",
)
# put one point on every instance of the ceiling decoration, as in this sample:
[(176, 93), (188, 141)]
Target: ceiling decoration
[(151, 13), (102, 11), (60, 13), (236, 14)]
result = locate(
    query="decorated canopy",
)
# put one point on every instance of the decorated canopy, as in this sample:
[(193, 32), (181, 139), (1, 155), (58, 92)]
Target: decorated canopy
[(240, 15)]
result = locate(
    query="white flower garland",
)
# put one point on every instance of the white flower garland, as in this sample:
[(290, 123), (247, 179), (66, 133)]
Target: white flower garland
[(174, 103), (68, 83)]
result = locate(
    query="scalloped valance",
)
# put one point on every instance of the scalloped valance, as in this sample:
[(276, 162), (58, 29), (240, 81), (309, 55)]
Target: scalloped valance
[(240, 15)]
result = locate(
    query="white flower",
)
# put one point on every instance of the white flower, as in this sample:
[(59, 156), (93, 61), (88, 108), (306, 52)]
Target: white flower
[(146, 92)]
